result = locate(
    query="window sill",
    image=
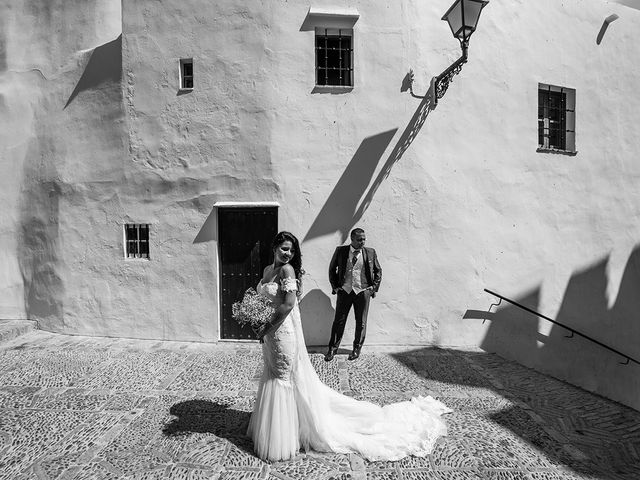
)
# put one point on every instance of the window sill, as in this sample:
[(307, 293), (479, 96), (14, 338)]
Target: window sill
[(571, 153), (137, 259), (333, 89)]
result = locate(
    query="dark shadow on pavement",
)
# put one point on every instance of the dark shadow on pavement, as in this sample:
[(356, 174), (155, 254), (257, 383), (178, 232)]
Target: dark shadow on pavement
[(205, 416), (572, 428)]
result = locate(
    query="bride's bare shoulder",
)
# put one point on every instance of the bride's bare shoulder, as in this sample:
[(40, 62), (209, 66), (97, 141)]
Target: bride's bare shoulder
[(287, 271), (267, 273)]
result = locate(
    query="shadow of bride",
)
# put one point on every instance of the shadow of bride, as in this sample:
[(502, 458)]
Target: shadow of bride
[(206, 416)]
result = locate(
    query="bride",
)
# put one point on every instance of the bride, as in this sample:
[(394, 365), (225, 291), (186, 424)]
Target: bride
[(294, 409)]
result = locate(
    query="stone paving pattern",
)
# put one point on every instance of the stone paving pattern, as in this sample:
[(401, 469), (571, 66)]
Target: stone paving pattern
[(96, 408)]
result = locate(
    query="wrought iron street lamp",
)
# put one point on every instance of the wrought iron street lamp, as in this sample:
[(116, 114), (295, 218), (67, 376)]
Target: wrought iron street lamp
[(462, 17)]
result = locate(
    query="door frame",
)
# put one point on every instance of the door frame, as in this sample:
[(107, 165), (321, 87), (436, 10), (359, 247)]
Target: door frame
[(217, 206)]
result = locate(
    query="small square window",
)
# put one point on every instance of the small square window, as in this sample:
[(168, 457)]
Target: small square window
[(334, 57), (186, 74), (136, 240), (556, 119)]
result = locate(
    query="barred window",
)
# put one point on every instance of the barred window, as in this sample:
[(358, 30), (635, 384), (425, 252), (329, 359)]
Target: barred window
[(186, 73), (334, 57), (556, 118), (136, 240)]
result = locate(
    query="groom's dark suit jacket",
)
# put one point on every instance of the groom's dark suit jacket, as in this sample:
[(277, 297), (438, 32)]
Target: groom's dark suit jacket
[(338, 268)]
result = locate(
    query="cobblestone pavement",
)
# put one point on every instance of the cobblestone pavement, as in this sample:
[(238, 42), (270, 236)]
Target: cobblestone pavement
[(92, 408)]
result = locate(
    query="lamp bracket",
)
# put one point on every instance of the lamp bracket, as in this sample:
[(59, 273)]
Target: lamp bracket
[(442, 81)]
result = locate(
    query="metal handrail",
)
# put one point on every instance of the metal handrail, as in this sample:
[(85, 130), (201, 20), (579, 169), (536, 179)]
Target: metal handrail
[(573, 331)]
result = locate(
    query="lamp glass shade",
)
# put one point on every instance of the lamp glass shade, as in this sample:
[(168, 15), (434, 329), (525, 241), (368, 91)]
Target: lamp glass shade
[(454, 18), (463, 17), (472, 9)]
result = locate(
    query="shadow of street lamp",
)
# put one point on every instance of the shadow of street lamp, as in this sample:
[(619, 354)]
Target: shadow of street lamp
[(462, 18)]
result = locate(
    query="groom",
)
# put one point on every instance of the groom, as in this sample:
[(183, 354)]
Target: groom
[(355, 276)]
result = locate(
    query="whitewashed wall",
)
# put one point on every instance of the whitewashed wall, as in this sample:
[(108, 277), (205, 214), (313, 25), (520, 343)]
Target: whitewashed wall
[(455, 199), (44, 48)]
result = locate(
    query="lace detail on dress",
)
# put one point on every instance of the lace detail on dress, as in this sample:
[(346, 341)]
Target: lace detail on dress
[(289, 285), (282, 349), (279, 346)]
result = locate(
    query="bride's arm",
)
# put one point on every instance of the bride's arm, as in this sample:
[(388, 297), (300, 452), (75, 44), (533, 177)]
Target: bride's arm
[(286, 306)]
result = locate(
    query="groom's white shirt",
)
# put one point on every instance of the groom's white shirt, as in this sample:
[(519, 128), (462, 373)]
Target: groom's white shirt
[(353, 275)]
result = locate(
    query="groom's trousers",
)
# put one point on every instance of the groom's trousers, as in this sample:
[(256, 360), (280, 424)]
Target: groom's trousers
[(344, 302)]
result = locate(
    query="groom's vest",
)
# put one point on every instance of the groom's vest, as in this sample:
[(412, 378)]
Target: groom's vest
[(355, 277)]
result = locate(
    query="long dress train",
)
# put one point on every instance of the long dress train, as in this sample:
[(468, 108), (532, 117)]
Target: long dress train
[(294, 409)]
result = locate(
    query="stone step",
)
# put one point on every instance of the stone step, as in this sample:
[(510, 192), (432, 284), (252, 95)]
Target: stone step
[(10, 329)]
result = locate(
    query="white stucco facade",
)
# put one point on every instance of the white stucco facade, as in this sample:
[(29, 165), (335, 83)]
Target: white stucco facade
[(96, 133)]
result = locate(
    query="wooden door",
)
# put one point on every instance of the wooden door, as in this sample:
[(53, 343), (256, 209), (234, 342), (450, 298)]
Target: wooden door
[(245, 236)]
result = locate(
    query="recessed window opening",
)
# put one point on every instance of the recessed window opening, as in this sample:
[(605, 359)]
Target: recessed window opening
[(556, 118), (334, 57), (136, 240), (186, 73)]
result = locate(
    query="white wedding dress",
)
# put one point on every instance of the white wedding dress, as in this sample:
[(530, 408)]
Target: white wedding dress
[(294, 409)]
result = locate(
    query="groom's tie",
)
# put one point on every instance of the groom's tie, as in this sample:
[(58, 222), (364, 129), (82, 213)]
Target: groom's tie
[(354, 259)]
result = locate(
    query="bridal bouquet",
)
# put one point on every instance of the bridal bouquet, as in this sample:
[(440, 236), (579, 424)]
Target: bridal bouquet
[(254, 310)]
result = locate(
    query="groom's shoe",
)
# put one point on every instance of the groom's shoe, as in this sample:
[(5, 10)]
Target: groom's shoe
[(330, 354), (355, 354)]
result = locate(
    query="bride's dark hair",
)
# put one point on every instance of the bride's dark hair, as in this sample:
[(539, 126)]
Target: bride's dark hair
[(296, 261)]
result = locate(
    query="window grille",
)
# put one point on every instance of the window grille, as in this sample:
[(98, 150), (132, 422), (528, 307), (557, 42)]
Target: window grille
[(186, 73), (137, 240), (334, 57), (556, 118)]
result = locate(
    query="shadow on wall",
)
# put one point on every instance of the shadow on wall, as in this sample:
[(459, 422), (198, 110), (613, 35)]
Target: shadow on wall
[(317, 317), (38, 252), (514, 333), (3, 44), (348, 202), (209, 228), (338, 212), (509, 323), (104, 65)]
